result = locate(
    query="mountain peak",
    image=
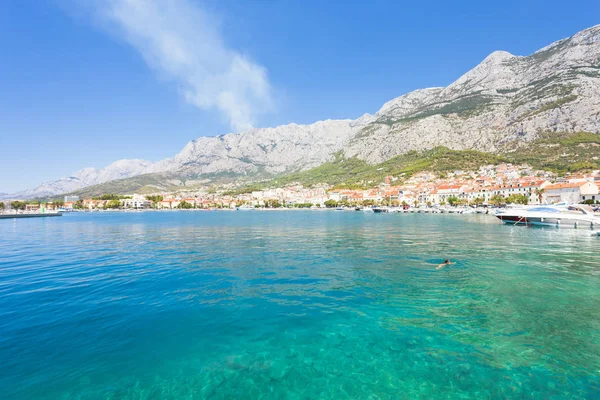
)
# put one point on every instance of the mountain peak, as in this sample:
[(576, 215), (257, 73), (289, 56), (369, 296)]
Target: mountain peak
[(498, 56)]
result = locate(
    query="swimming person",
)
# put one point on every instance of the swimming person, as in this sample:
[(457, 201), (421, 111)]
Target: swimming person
[(442, 265)]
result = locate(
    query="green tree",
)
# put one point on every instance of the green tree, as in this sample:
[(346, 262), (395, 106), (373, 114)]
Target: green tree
[(111, 197), (539, 192), (330, 203), (497, 200), (590, 202), (517, 199), (453, 200), (155, 199), (478, 201), (272, 204), (343, 203), (113, 204), (2, 205), (303, 205), (184, 205), (18, 205)]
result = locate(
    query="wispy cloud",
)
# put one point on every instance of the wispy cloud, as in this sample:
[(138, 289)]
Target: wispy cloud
[(183, 43)]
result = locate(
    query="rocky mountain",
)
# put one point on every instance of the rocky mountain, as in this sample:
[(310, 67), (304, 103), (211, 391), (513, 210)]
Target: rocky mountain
[(85, 177), (286, 148), (506, 98)]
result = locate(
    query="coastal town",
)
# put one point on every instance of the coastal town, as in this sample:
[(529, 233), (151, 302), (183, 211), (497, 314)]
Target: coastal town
[(492, 185)]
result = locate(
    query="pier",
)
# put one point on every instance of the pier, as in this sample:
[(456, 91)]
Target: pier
[(30, 215)]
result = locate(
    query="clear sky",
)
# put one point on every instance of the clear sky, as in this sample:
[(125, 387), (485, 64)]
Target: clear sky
[(87, 82)]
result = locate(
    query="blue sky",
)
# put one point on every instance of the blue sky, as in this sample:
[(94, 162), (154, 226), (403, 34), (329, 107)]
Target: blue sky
[(85, 83)]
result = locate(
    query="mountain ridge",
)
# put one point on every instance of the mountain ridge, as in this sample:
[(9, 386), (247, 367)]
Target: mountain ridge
[(505, 98)]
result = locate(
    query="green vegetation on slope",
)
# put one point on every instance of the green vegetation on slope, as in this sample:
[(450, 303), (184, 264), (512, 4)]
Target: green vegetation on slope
[(355, 173), (550, 106), (558, 152), (465, 106)]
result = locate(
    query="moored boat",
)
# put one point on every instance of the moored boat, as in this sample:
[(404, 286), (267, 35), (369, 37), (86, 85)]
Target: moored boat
[(565, 216), (380, 209)]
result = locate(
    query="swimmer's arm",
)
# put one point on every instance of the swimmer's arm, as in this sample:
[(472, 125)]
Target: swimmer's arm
[(443, 265)]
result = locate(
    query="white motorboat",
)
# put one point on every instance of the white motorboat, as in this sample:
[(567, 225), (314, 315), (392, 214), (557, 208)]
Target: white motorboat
[(565, 216)]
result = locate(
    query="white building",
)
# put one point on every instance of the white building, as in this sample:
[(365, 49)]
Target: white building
[(71, 199), (137, 201), (571, 192)]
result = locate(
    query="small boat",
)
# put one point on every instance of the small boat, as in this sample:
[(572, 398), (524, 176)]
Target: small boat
[(564, 216), (380, 209)]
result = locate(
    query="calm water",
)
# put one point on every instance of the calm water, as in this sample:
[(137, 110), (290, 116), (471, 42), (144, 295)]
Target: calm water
[(296, 305)]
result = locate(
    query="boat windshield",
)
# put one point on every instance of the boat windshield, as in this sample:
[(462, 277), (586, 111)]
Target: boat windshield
[(544, 209), (582, 209)]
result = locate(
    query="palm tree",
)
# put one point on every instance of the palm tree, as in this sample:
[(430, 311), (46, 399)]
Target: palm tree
[(540, 194)]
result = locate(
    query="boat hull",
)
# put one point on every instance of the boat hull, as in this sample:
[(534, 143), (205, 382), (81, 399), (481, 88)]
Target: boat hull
[(562, 222), (380, 210)]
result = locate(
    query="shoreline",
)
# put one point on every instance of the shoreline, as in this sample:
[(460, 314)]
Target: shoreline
[(462, 211)]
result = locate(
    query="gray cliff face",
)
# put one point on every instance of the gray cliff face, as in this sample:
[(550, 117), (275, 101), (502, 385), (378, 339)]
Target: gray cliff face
[(267, 150), (504, 98)]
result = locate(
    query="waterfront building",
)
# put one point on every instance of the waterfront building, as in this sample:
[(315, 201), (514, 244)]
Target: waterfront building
[(571, 192), (94, 204), (137, 202)]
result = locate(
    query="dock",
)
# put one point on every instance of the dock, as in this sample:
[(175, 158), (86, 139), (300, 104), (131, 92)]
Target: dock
[(30, 215)]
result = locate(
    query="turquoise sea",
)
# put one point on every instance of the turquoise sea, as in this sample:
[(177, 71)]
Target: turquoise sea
[(296, 305)]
